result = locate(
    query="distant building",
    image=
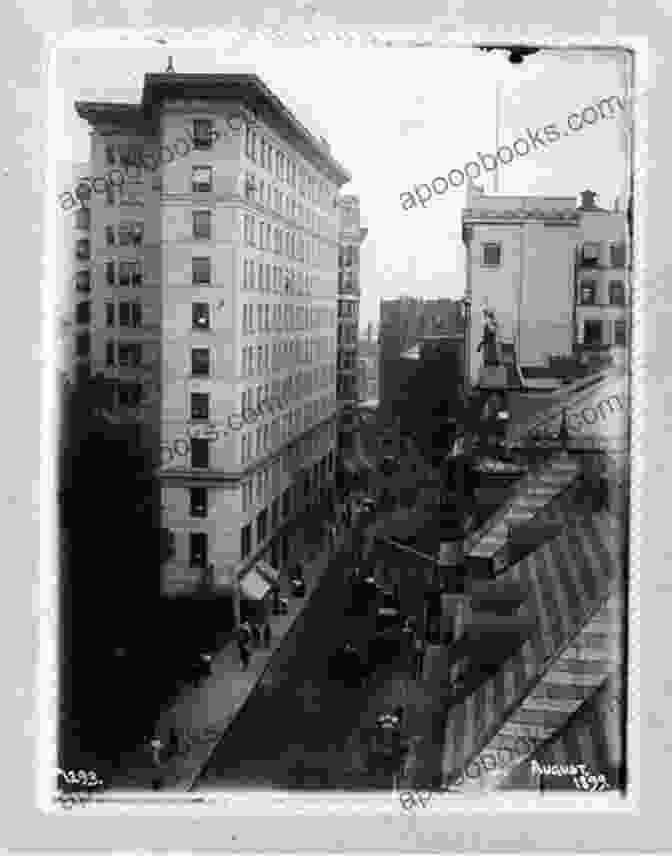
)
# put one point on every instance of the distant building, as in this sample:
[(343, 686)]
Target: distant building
[(602, 295), (404, 323), (368, 361), (351, 237), (547, 284)]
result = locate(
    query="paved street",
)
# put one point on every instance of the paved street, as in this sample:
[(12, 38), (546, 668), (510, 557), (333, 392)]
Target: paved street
[(298, 728)]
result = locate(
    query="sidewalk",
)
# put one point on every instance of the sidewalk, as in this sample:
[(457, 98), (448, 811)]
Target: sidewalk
[(202, 713)]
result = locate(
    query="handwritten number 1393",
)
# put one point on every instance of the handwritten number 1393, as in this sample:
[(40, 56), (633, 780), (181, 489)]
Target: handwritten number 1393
[(80, 777)]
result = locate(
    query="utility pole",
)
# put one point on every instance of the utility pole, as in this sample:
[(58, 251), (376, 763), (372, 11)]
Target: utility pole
[(498, 99)]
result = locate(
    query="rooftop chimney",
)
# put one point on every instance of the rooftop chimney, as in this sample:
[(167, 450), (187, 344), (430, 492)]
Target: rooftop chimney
[(588, 200)]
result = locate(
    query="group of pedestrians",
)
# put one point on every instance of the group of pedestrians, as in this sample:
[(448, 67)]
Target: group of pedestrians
[(251, 635)]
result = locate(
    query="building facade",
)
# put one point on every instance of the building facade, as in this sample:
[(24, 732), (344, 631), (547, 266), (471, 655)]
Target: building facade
[(71, 319), (404, 323), (527, 258), (368, 360), (233, 260), (602, 295), (351, 238)]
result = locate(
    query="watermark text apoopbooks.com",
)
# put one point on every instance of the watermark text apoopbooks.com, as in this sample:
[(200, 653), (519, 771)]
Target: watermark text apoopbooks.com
[(533, 140)]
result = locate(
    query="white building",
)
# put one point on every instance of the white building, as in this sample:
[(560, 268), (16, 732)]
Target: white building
[(238, 244), (524, 261)]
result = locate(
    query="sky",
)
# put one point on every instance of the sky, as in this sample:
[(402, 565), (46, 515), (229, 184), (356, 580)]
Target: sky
[(396, 118)]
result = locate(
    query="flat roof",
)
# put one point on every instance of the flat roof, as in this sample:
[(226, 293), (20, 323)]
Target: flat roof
[(248, 88)]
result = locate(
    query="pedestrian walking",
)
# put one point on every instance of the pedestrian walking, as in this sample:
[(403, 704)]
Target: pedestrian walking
[(407, 639), (267, 635), (156, 747), (244, 656), (419, 655), (244, 633), (174, 742)]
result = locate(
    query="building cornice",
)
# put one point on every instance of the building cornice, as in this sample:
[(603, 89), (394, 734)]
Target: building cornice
[(484, 216), (114, 114), (254, 93)]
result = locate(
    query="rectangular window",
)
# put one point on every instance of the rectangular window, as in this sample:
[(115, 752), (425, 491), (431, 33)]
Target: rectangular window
[(169, 543), (201, 179), (109, 273), (250, 186), (616, 293), (200, 316), (200, 453), (588, 294), (245, 541), (130, 394), (617, 253), (83, 312), (136, 312), (202, 223), (109, 236), (198, 549), (201, 270), (262, 525), (200, 362), (198, 502), (83, 249), (492, 254), (83, 345), (124, 314), (200, 405), (620, 333), (590, 252), (592, 332), (83, 218), (109, 194), (109, 353), (130, 233), (109, 314), (127, 270), (130, 354), (203, 134), (110, 158), (83, 280)]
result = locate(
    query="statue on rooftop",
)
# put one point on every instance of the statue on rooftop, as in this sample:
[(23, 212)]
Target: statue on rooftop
[(490, 341)]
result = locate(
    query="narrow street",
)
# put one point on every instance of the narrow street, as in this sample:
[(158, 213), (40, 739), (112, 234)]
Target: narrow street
[(299, 727)]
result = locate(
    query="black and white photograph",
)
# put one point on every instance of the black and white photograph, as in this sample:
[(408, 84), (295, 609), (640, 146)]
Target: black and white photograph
[(344, 343)]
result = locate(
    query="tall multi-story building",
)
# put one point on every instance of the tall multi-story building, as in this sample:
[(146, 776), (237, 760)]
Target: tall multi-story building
[(351, 237), (214, 291), (527, 259), (404, 323)]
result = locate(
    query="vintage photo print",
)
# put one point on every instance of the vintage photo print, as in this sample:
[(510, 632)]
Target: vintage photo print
[(344, 383)]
